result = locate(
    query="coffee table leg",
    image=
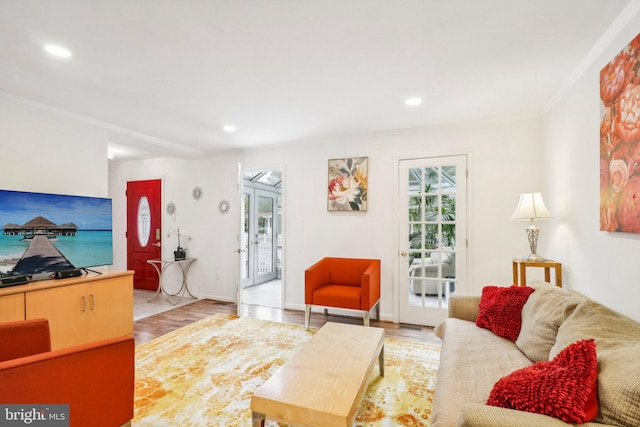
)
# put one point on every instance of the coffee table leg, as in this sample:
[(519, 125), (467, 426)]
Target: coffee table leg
[(257, 419), (381, 361)]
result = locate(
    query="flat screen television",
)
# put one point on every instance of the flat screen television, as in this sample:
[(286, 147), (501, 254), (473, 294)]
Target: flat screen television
[(44, 233)]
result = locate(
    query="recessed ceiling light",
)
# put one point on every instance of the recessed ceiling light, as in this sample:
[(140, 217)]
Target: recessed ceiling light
[(413, 101), (58, 51), (229, 128)]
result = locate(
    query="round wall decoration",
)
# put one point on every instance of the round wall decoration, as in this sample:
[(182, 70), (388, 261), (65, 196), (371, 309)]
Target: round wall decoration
[(223, 206), (197, 193), (171, 208)]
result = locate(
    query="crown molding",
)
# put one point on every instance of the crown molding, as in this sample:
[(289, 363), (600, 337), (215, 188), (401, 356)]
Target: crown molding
[(617, 26), (139, 136)]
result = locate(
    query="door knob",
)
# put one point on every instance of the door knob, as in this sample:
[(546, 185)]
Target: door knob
[(403, 253), (158, 244)]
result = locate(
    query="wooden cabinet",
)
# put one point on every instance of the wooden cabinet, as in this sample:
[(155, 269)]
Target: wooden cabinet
[(12, 307), (111, 308), (79, 310)]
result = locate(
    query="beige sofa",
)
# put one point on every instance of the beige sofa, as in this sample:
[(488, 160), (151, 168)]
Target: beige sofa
[(473, 359)]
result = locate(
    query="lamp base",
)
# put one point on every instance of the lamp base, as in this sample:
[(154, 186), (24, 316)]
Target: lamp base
[(534, 258)]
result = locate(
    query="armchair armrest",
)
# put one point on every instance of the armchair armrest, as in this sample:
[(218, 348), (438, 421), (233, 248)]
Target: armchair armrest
[(315, 277), (95, 379), (464, 307), (370, 284), (24, 338)]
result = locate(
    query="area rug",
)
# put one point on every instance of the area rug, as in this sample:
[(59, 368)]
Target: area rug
[(205, 374)]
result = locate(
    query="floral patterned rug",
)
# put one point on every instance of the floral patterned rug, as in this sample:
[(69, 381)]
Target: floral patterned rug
[(204, 375)]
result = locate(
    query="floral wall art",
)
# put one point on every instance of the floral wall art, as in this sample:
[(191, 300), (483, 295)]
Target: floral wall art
[(620, 141), (348, 184)]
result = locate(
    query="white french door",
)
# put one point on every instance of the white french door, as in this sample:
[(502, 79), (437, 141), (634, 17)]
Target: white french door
[(432, 194), (259, 237)]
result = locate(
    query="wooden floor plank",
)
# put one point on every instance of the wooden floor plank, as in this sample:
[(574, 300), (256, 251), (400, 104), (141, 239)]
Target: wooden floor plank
[(157, 325)]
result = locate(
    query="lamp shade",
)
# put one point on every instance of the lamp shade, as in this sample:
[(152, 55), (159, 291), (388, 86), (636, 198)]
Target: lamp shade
[(531, 207)]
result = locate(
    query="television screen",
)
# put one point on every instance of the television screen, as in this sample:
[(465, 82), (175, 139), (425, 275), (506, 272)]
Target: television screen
[(44, 233)]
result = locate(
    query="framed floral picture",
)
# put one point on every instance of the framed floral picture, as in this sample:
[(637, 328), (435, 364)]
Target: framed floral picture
[(347, 190), (620, 141)]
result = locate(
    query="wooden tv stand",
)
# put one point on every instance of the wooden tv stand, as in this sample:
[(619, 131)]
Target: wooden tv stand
[(79, 309)]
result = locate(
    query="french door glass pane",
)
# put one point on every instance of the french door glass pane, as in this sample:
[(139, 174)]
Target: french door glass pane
[(265, 235), (245, 236), (431, 182), (144, 221)]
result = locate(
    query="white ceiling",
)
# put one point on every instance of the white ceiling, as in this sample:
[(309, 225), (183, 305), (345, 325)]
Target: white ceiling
[(164, 76)]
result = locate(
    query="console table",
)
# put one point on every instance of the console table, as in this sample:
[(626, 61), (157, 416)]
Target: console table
[(520, 266), (161, 266)]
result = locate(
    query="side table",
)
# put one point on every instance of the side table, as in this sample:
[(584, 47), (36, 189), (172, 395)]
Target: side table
[(161, 265), (520, 266)]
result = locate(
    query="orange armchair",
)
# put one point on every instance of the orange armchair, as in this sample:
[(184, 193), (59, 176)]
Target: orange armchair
[(345, 283), (95, 379)]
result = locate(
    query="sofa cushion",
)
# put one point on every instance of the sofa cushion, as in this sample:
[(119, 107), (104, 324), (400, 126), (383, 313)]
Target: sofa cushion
[(543, 313), (480, 415), (472, 359), (563, 388), (618, 345), (500, 309)]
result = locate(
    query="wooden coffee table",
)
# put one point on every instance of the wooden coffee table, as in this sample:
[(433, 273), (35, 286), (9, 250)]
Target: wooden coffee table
[(324, 382)]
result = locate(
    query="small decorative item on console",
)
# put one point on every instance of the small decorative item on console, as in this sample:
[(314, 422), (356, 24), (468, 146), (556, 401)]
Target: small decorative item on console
[(180, 253)]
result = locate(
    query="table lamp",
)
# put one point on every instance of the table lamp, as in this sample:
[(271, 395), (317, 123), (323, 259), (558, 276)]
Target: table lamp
[(532, 207)]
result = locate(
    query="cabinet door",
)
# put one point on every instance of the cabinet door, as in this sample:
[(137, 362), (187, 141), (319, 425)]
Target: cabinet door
[(12, 307), (110, 307), (66, 309)]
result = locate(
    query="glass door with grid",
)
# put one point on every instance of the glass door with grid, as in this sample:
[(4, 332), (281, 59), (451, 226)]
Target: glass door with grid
[(432, 256)]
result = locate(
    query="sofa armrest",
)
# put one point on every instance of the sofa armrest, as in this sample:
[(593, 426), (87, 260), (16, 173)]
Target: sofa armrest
[(479, 415), (24, 338), (464, 307), (95, 379)]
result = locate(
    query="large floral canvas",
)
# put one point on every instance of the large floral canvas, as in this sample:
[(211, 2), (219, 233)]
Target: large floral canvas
[(348, 184), (620, 141)]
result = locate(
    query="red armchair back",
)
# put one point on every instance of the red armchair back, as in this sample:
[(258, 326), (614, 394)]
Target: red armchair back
[(95, 379), (347, 283), (24, 338)]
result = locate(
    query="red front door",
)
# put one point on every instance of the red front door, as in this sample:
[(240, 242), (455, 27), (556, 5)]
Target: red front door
[(143, 231)]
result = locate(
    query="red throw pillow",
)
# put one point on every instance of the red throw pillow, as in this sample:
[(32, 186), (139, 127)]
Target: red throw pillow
[(565, 387), (500, 309)]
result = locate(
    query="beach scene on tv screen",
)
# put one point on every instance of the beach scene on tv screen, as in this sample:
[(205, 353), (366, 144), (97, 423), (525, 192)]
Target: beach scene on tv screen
[(48, 232)]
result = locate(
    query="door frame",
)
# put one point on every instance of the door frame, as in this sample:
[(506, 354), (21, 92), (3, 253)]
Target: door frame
[(241, 168), (466, 282)]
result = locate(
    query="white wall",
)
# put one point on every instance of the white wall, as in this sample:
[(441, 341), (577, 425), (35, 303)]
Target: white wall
[(504, 161), (44, 151), (601, 265)]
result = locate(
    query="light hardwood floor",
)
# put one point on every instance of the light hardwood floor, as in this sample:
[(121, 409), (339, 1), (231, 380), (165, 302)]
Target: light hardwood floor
[(159, 324)]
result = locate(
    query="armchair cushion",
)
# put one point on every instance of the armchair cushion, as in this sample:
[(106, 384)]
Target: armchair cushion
[(345, 296)]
